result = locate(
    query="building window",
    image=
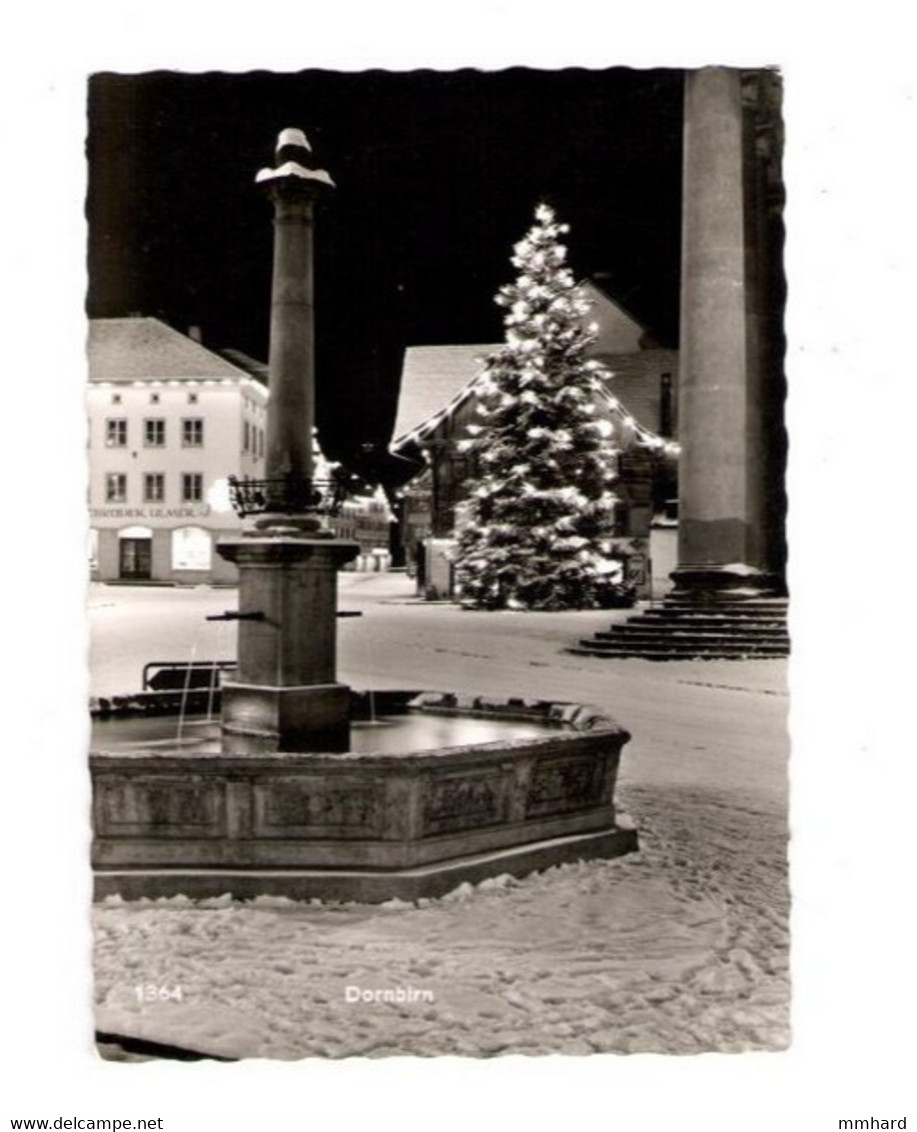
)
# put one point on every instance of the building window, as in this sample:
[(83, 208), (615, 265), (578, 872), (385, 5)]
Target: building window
[(260, 441), (154, 487), (116, 432), (192, 398), (154, 432), (191, 549), (154, 398), (192, 487), (246, 435), (116, 487), (192, 432), (116, 398)]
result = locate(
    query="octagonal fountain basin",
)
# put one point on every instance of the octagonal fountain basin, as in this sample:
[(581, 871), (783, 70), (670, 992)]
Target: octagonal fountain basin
[(437, 789)]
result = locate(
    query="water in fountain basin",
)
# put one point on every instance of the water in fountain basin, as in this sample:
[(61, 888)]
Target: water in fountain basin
[(388, 734)]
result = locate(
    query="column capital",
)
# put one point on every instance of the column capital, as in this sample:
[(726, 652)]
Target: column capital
[(294, 174)]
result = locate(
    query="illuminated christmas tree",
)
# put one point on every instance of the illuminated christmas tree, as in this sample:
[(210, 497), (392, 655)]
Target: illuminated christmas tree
[(541, 513)]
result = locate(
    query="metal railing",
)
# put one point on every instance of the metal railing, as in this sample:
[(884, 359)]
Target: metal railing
[(290, 495)]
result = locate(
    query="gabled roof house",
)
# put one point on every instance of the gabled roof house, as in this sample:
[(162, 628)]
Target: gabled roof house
[(438, 400)]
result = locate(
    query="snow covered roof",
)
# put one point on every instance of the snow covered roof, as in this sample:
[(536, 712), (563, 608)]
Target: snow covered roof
[(618, 331), (433, 379), (135, 349), (438, 380), (256, 369)]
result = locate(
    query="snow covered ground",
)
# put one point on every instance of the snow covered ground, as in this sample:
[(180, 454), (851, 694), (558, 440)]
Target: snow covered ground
[(680, 948)]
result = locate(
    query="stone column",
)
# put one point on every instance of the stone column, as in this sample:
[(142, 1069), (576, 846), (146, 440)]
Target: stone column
[(288, 450), (720, 524), (285, 696), (294, 187)]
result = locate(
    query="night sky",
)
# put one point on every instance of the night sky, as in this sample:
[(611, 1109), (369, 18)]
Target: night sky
[(437, 175)]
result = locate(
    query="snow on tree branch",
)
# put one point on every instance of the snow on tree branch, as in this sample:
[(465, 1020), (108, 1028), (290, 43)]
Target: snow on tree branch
[(541, 512)]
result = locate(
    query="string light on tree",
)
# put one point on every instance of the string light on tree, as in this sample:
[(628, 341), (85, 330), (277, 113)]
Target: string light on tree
[(541, 513)]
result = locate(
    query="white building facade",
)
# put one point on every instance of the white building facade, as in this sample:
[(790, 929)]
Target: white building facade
[(169, 421)]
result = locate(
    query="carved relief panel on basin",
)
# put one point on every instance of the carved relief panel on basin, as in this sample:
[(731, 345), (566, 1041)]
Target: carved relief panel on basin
[(311, 808), (463, 801), (563, 784), (160, 806)]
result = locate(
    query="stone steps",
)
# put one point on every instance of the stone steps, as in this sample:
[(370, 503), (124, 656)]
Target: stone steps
[(730, 613), (686, 629), (715, 609), (697, 627), (684, 646), (682, 652)]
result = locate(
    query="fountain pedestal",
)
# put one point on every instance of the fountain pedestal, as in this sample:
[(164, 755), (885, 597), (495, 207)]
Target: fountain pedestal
[(286, 696)]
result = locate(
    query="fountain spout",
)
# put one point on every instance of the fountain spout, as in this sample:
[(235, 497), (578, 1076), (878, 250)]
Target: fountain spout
[(232, 615)]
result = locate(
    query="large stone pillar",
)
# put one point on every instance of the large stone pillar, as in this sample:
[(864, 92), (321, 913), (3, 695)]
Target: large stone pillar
[(720, 541), (286, 696)]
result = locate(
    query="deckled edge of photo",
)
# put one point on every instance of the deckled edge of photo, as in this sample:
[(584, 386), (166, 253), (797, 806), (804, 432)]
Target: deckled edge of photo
[(850, 119)]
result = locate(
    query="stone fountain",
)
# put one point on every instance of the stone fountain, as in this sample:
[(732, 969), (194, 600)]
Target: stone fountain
[(282, 805)]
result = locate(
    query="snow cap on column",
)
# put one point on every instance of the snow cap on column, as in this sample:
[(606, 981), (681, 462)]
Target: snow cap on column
[(294, 159), (293, 139)]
